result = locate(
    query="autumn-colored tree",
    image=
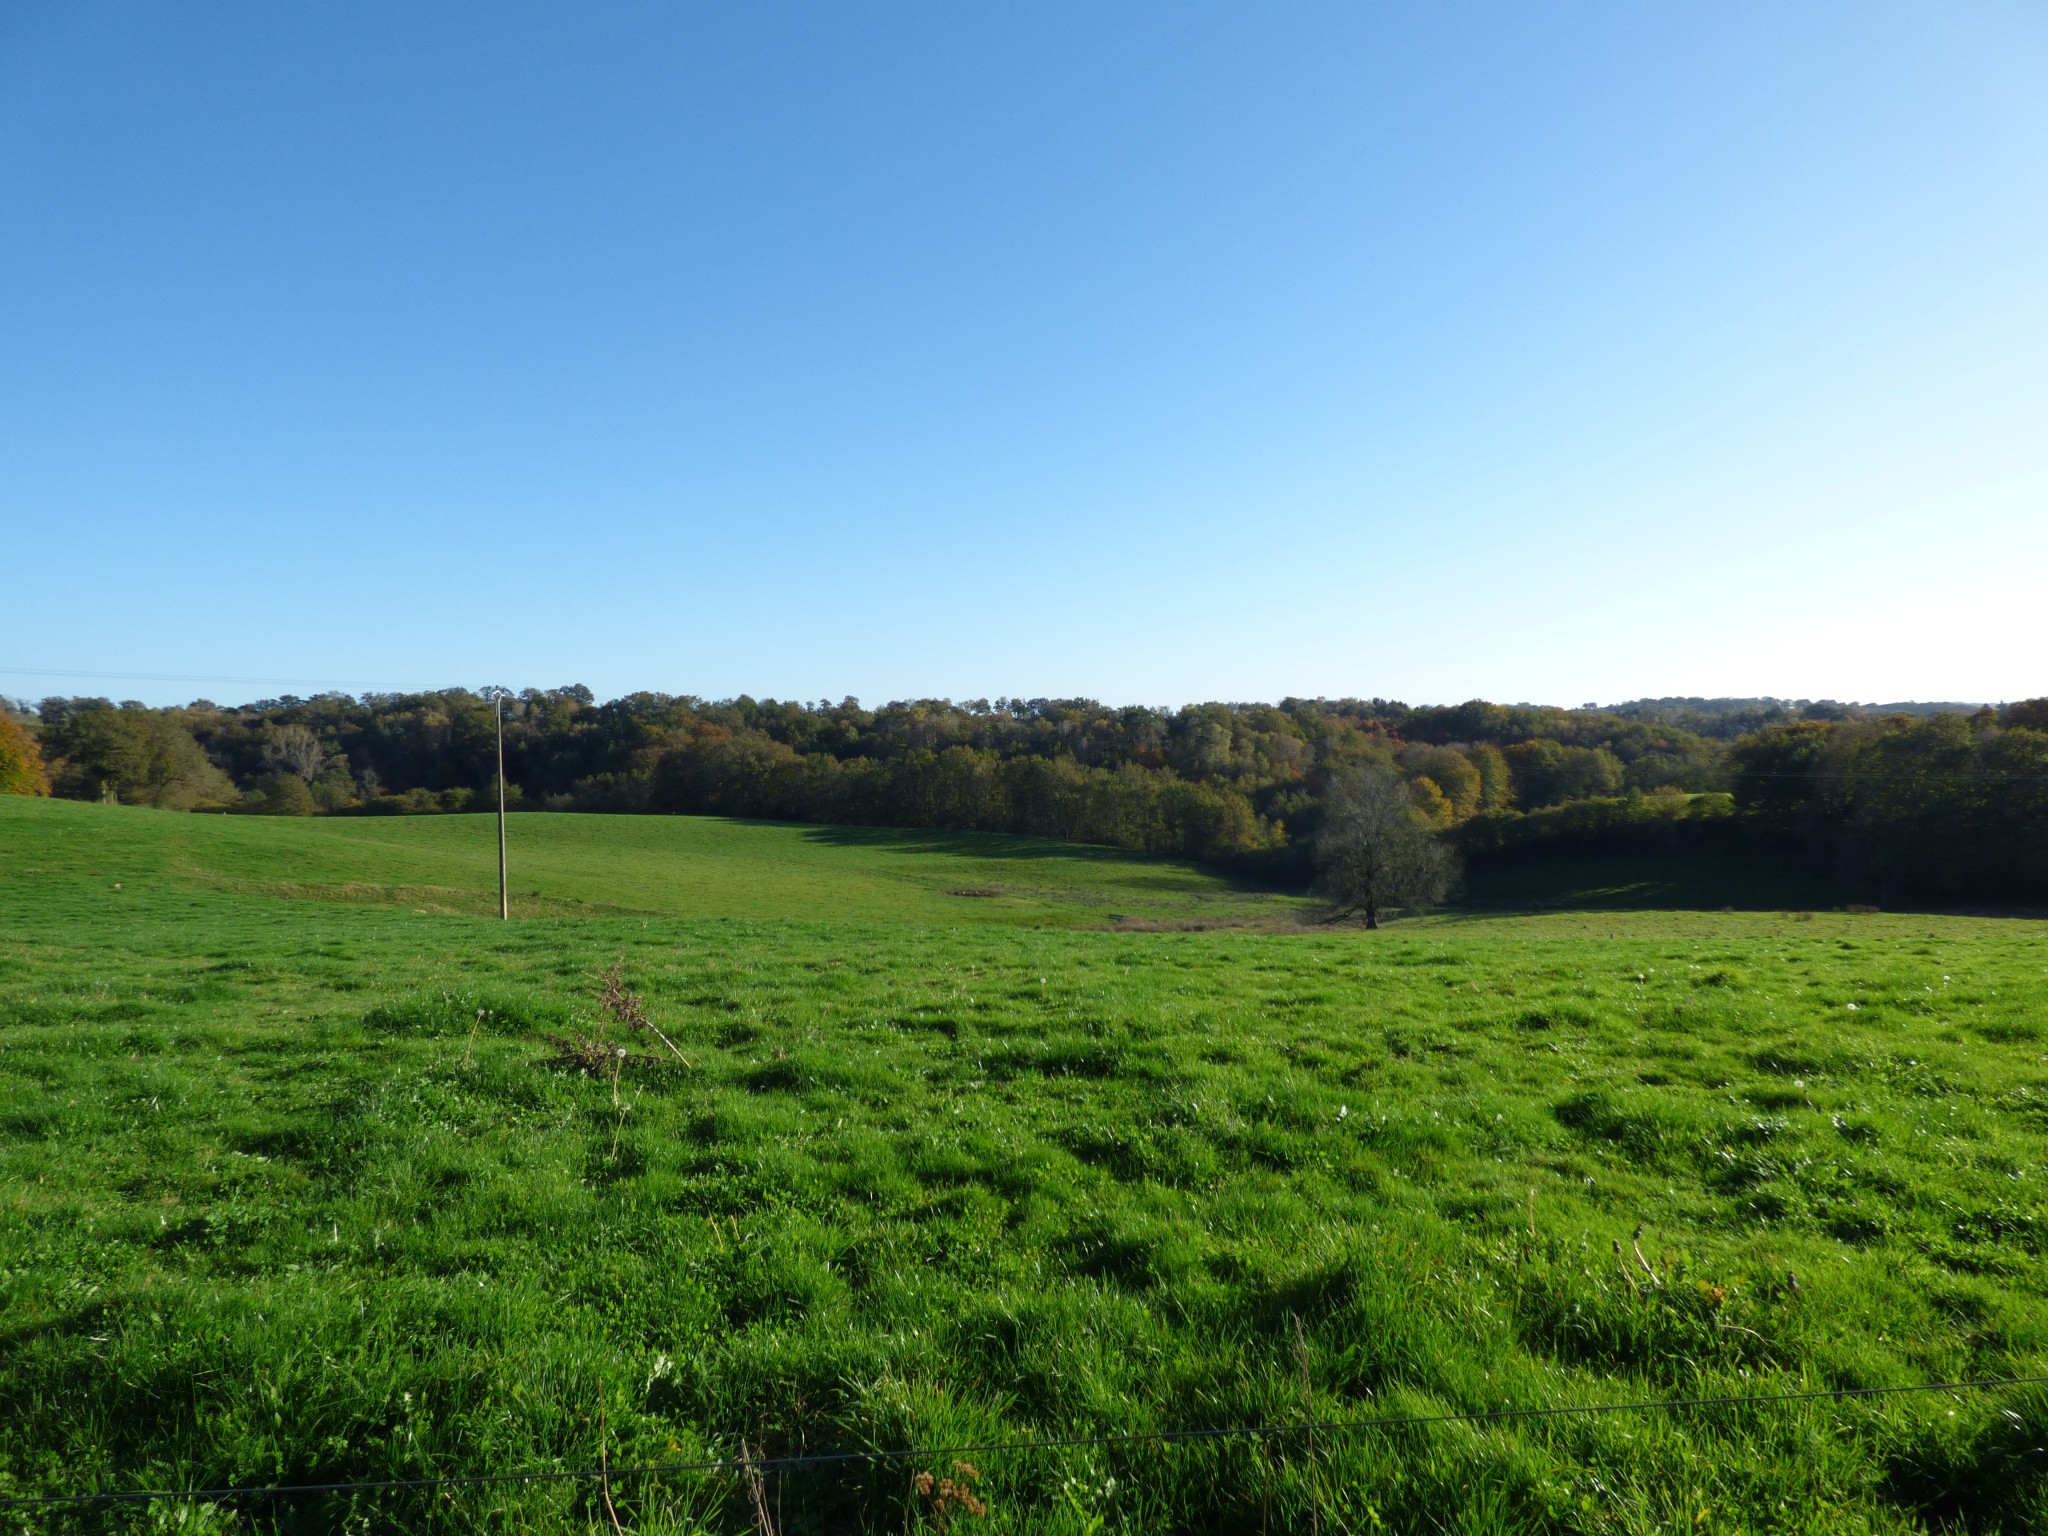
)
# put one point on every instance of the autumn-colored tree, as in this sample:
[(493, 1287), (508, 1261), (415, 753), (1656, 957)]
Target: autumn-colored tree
[(21, 761), (1453, 777), (1496, 785), (1431, 801)]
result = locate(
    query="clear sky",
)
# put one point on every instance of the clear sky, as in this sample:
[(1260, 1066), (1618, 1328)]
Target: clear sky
[(1154, 352)]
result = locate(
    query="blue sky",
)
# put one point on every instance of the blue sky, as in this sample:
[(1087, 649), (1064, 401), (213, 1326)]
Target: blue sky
[(1149, 352)]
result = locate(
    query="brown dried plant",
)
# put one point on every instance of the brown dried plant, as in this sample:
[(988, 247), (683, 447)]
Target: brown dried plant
[(757, 1493), (597, 1055), (943, 1498), (618, 1001), (621, 1004)]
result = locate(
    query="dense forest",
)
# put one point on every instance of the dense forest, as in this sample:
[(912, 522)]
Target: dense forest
[(1905, 801)]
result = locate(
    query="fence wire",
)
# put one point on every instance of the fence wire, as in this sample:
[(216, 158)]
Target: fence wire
[(1377, 1423)]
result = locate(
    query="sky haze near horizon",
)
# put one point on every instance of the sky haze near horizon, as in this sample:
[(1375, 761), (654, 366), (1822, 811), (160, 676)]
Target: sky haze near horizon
[(1145, 353)]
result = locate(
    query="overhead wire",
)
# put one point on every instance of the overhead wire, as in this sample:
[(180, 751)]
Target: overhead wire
[(1377, 1423)]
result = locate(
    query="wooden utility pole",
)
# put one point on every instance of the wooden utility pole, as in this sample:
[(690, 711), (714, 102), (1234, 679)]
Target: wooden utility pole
[(504, 897)]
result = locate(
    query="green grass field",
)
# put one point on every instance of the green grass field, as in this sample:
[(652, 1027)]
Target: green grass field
[(633, 866), (289, 1191)]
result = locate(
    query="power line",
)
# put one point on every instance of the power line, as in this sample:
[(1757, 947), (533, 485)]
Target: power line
[(1951, 776), (998, 1447)]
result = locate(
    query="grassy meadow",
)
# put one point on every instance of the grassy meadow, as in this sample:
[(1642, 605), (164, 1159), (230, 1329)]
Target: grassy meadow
[(290, 1190)]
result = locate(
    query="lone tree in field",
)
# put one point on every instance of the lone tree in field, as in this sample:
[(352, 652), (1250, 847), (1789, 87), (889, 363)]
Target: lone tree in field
[(1376, 850)]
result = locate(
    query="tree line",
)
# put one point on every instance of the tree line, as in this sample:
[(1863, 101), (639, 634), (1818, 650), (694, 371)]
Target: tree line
[(1933, 803), (1952, 808)]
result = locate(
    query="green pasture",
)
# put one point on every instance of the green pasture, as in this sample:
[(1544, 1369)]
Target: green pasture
[(617, 866), (290, 1190)]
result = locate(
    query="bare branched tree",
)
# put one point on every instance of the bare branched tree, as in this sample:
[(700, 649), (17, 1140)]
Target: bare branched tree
[(294, 749), (1376, 850)]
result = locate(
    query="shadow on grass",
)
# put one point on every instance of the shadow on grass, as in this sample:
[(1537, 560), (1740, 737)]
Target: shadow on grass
[(1010, 845), (969, 845), (1699, 882)]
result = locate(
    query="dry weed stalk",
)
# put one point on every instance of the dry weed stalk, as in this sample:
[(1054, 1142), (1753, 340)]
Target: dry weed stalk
[(1308, 1413), (604, 1474), (621, 1004), (943, 1498), (1627, 1279), (596, 1055), (757, 1493), (1636, 1242)]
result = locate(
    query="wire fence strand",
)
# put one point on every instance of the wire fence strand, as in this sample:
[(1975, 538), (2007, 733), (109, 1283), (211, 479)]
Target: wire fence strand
[(1376, 1423)]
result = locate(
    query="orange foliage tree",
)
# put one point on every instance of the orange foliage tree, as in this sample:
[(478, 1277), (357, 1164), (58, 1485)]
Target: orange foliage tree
[(21, 762)]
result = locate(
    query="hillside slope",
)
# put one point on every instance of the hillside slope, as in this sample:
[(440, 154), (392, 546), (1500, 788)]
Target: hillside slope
[(587, 865)]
